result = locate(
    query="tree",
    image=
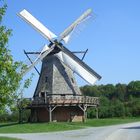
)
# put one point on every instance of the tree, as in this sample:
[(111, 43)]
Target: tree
[(120, 91), (10, 70), (109, 90), (134, 88), (104, 107), (90, 90)]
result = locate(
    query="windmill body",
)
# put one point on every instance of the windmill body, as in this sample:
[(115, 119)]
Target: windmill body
[(56, 83), (56, 78), (57, 96)]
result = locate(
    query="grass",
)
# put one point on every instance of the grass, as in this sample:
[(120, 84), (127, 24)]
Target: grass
[(37, 127), (106, 122), (50, 127), (6, 138)]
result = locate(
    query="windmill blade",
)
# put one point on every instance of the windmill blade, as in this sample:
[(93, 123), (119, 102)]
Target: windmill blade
[(24, 14), (67, 31), (78, 66), (39, 58)]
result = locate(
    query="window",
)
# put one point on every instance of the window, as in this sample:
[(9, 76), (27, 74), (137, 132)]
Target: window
[(42, 94), (72, 80), (46, 79)]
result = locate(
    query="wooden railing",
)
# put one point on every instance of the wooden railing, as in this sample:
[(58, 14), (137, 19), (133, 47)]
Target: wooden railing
[(68, 99)]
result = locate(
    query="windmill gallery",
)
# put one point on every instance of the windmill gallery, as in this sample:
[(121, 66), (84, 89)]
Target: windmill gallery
[(57, 96)]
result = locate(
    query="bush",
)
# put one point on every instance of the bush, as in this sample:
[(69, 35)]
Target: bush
[(91, 112)]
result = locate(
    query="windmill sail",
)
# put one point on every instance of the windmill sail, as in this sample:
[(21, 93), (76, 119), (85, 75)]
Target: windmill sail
[(66, 56), (67, 31), (24, 14), (39, 58), (78, 66)]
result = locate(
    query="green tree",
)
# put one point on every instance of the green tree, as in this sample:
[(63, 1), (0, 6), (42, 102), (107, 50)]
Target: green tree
[(109, 90), (116, 109), (10, 70), (134, 88), (120, 92), (104, 107), (90, 90)]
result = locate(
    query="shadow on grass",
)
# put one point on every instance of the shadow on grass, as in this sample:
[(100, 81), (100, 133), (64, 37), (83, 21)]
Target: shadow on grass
[(135, 127), (17, 123), (8, 124)]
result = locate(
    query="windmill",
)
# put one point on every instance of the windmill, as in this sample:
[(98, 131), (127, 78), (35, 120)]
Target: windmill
[(57, 96)]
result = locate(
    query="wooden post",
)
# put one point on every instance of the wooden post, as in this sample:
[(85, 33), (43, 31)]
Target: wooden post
[(84, 108), (84, 118), (85, 113), (97, 113), (50, 114)]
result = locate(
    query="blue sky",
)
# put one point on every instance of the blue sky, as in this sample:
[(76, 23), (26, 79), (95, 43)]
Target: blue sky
[(113, 37)]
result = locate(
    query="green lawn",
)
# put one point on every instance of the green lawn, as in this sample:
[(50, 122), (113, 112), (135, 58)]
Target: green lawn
[(105, 122), (37, 127), (6, 138), (50, 127)]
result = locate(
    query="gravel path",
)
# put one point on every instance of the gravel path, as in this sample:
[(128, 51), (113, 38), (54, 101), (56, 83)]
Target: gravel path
[(129, 131)]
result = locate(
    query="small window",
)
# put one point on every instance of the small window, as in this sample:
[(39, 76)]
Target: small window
[(42, 94), (46, 79), (72, 80)]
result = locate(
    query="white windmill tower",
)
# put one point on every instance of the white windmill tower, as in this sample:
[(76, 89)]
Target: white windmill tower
[(57, 96)]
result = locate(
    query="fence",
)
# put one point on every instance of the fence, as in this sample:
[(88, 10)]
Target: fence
[(67, 99)]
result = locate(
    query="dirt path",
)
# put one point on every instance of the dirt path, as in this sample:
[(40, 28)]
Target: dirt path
[(129, 131)]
